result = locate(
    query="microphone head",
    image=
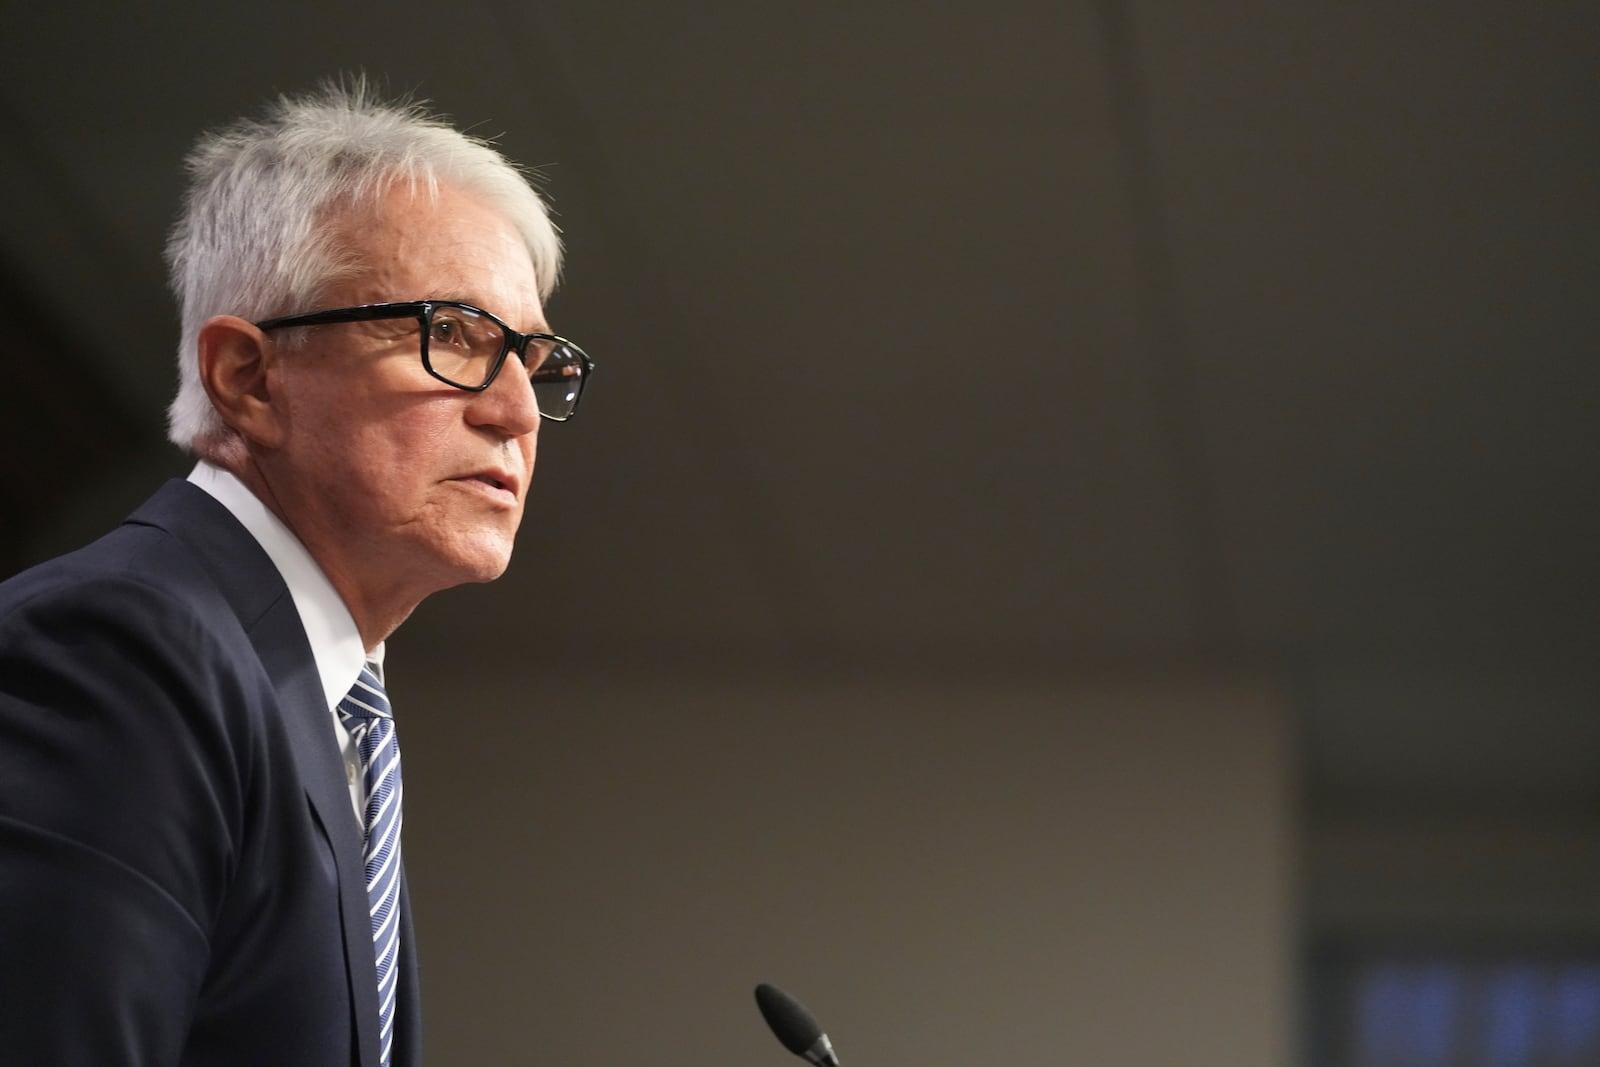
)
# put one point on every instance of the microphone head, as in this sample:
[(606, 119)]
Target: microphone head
[(791, 1024)]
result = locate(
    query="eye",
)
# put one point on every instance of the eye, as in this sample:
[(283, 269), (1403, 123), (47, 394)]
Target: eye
[(448, 329), (535, 355)]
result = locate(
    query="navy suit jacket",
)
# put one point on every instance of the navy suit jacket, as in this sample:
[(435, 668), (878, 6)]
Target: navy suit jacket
[(181, 878)]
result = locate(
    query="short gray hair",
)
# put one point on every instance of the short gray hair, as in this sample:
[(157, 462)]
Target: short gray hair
[(252, 239)]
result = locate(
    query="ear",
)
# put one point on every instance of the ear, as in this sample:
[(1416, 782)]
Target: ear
[(235, 358)]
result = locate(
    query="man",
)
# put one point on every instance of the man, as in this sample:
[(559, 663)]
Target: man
[(199, 776)]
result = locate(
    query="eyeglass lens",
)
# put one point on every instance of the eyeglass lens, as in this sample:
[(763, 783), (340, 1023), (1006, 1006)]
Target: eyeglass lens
[(463, 346)]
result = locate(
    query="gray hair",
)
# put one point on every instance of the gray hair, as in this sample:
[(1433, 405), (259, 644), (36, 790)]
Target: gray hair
[(252, 239)]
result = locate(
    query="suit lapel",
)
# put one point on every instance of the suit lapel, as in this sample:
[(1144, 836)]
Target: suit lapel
[(408, 1009), (256, 592), (310, 727)]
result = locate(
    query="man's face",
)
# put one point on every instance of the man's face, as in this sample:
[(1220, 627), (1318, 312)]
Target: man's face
[(399, 484)]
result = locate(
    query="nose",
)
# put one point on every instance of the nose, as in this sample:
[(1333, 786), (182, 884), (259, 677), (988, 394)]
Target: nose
[(508, 406)]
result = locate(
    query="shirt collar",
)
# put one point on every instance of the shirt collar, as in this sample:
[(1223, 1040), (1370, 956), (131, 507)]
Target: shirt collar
[(335, 642)]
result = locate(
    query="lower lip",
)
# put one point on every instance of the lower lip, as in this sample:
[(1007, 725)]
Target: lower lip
[(502, 497)]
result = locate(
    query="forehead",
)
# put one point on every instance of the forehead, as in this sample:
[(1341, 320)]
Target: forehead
[(414, 244)]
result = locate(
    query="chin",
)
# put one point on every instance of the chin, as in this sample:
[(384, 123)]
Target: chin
[(482, 563), (462, 555)]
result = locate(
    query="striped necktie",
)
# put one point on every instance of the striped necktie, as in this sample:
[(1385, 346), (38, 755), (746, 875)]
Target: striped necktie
[(366, 714)]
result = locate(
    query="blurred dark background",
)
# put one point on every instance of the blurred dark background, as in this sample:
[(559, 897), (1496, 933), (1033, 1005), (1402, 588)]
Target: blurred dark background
[(1171, 423)]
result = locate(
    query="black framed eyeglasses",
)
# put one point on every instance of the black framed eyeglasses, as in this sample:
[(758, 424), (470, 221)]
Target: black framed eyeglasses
[(465, 346)]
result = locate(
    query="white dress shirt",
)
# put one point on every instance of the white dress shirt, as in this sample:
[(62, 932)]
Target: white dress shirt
[(335, 642)]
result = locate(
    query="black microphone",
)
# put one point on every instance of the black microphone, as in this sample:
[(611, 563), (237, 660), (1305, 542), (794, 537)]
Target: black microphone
[(794, 1026)]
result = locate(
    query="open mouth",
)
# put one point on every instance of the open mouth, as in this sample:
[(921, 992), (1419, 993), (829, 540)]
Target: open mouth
[(502, 486)]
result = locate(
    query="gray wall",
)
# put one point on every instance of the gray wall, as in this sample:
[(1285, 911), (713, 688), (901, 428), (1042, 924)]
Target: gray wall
[(1010, 872)]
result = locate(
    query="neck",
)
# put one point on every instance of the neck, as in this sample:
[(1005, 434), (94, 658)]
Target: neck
[(376, 615)]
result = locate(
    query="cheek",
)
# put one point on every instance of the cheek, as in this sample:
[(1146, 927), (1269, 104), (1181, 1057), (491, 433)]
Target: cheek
[(333, 425), (406, 449)]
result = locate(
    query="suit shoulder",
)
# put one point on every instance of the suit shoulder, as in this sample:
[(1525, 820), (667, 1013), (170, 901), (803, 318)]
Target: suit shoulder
[(134, 602)]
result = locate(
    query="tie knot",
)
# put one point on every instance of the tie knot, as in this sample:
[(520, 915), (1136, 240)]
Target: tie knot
[(366, 699)]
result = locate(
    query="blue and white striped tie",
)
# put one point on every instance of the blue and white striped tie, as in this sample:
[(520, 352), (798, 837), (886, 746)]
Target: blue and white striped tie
[(365, 712)]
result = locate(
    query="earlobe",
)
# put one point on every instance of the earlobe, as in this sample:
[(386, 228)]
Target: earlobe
[(235, 358)]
